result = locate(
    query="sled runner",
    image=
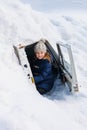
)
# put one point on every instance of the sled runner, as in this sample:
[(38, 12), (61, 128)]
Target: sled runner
[(62, 62)]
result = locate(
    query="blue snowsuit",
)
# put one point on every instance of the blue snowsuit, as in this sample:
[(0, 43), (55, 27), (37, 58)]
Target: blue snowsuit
[(42, 71)]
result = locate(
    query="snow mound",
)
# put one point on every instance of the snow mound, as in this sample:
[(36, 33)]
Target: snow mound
[(21, 106)]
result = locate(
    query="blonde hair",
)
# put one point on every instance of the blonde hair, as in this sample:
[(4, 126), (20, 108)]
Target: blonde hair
[(47, 56)]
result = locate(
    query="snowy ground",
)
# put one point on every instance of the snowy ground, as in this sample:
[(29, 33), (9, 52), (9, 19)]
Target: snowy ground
[(21, 106)]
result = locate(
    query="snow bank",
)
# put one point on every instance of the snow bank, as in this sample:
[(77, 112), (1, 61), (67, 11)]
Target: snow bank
[(21, 106), (20, 22)]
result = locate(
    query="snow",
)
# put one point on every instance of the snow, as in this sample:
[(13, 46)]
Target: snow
[(21, 106)]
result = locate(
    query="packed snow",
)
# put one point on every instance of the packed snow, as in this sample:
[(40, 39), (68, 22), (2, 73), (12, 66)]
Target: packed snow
[(21, 106)]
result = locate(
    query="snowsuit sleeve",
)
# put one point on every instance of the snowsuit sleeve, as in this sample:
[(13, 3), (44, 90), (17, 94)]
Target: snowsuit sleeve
[(44, 73)]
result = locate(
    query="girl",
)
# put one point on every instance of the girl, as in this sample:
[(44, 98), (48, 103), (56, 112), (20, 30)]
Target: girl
[(42, 68)]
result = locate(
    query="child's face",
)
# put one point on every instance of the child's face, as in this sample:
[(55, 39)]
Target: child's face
[(40, 55)]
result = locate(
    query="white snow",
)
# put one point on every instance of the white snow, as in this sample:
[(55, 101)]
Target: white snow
[(21, 106)]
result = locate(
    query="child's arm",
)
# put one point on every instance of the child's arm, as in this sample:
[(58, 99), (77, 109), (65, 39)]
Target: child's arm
[(47, 71)]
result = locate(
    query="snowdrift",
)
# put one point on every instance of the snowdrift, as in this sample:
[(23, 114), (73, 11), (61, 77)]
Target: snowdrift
[(21, 106)]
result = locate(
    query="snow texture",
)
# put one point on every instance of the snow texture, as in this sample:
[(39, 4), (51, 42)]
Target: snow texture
[(21, 106)]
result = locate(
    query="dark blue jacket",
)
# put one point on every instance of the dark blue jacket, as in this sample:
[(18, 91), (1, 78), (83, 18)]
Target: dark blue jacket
[(42, 71)]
